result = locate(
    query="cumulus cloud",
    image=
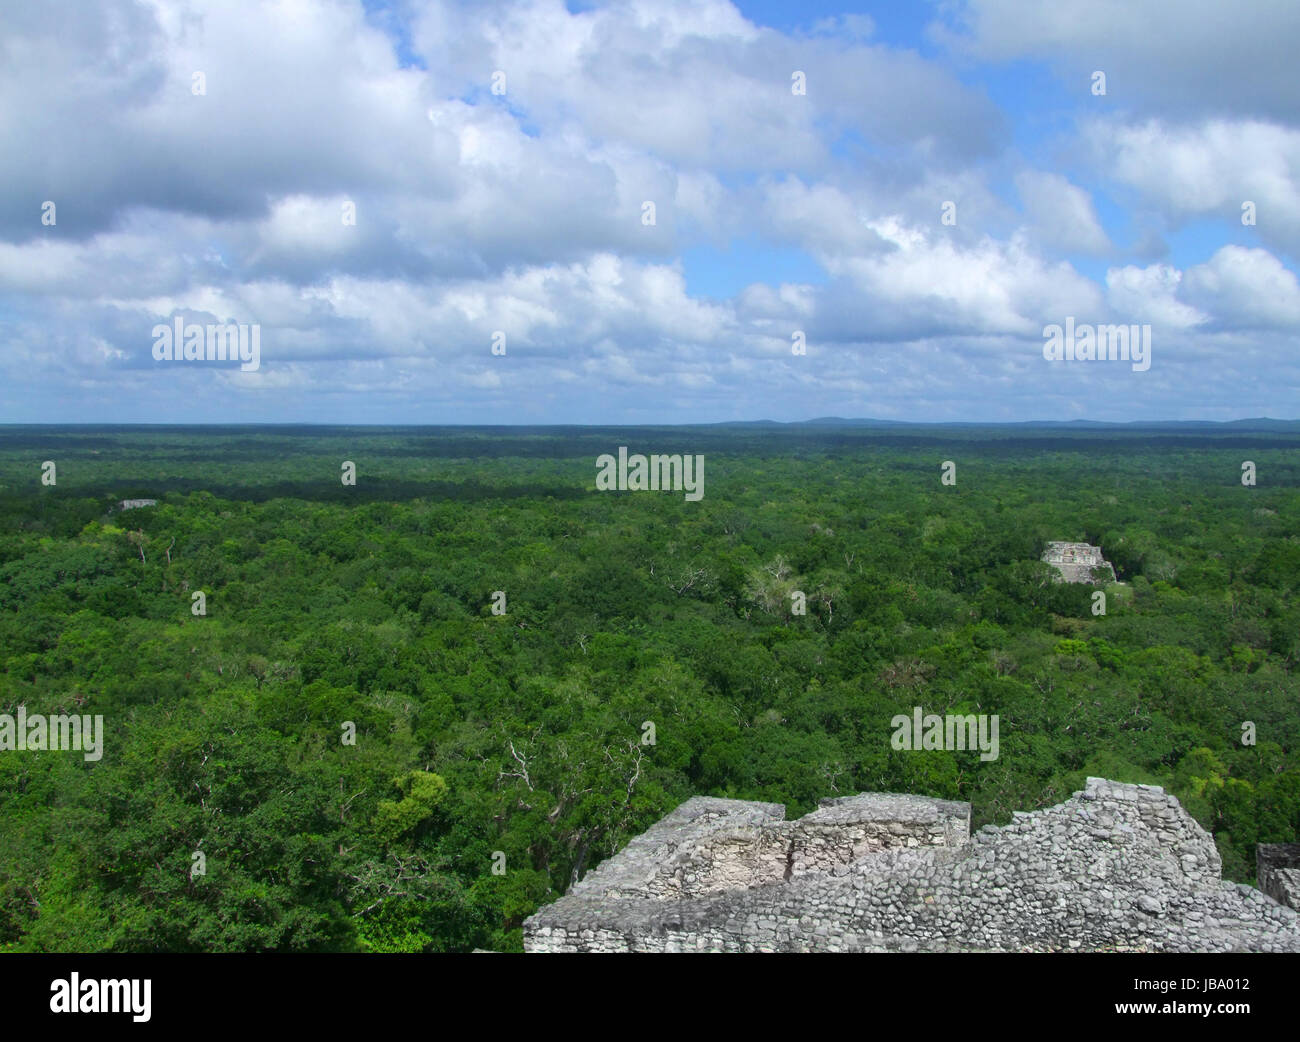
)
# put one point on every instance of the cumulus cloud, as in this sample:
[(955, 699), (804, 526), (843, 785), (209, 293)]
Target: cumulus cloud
[(1211, 167), (523, 212), (926, 285), (1196, 56), (1247, 289), (696, 83), (1150, 294), (1062, 214)]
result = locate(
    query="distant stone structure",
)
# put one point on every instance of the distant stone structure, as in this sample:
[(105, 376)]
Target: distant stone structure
[(132, 504), (1277, 869), (1079, 562), (1114, 868)]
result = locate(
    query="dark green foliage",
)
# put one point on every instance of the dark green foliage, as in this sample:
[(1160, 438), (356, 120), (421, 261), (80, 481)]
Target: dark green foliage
[(515, 742)]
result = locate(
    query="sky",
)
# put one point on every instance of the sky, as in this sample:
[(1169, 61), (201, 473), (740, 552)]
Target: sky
[(540, 212)]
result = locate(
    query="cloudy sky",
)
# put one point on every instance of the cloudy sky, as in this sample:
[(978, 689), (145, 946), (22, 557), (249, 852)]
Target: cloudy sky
[(204, 161)]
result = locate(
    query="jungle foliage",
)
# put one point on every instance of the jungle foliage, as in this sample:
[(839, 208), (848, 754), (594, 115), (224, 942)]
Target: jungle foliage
[(485, 740)]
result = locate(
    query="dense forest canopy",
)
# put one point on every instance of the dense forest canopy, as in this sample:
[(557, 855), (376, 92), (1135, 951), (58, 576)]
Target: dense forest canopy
[(497, 757)]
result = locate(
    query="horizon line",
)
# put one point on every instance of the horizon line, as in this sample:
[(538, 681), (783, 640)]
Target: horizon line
[(826, 421)]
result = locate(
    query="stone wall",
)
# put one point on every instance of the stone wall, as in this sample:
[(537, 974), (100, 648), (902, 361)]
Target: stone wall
[(840, 832), (711, 845), (1116, 867), (1277, 866)]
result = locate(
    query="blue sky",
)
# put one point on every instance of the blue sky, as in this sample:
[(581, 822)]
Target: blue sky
[(386, 189)]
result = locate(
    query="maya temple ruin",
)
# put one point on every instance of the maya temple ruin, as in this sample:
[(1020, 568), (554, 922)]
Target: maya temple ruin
[(1116, 867)]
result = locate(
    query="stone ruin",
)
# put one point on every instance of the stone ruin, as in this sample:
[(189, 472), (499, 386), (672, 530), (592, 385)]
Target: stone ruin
[(1277, 868), (1114, 868), (1078, 562)]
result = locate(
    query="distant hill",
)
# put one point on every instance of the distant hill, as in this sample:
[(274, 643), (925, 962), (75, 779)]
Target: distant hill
[(1258, 423)]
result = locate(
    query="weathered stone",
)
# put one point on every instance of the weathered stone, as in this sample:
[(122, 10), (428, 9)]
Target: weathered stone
[(1277, 867), (1079, 562), (884, 872)]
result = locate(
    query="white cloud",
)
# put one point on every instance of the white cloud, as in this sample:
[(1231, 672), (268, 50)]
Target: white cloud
[(522, 212), (928, 285), (1150, 294), (1062, 214), (1247, 289), (1209, 168), (1189, 56)]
